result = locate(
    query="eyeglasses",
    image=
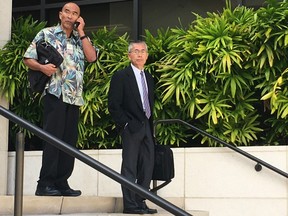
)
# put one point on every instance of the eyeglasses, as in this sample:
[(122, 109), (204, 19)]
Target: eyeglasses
[(137, 52)]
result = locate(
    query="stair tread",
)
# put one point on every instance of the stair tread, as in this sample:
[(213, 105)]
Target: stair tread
[(81, 206)]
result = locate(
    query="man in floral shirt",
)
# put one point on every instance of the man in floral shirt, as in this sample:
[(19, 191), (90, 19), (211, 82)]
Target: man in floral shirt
[(62, 96)]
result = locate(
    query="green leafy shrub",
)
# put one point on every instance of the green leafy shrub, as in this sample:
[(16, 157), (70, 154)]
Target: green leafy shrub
[(13, 73)]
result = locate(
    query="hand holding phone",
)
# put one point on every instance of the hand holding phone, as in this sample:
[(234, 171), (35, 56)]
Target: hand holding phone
[(76, 24)]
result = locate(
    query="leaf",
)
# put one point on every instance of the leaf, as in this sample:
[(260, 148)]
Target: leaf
[(267, 96)]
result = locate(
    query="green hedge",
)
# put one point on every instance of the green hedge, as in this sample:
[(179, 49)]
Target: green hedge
[(225, 73)]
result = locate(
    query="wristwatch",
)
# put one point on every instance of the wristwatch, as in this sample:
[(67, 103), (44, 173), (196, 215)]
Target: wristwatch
[(83, 37)]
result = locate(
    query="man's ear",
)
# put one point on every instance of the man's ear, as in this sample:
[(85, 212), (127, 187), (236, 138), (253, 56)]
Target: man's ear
[(60, 14)]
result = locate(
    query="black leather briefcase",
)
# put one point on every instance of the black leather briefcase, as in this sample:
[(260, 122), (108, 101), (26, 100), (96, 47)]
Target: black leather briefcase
[(46, 54), (163, 165)]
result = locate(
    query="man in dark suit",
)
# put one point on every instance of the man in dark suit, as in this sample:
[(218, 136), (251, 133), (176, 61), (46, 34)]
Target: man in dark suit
[(130, 103)]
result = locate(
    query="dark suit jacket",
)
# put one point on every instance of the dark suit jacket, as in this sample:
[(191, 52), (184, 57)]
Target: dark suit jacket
[(124, 100)]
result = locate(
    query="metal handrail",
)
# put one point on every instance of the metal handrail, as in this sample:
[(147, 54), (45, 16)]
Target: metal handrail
[(93, 163), (258, 166)]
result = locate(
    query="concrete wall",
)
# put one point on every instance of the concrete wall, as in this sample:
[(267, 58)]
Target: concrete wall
[(5, 34), (4, 127), (5, 21), (216, 180)]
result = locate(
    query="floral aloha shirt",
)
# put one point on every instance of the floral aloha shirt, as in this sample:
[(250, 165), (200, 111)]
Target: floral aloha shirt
[(68, 80)]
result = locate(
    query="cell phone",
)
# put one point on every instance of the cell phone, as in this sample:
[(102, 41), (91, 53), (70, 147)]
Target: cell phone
[(76, 24)]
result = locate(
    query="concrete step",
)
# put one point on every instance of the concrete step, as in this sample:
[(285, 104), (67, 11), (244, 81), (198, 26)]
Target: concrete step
[(81, 206)]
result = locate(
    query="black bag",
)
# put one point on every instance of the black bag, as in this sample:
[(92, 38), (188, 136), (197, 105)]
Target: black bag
[(46, 54), (163, 166)]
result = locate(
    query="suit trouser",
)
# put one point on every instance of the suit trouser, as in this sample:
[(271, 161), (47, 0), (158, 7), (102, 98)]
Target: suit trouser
[(61, 120), (137, 162)]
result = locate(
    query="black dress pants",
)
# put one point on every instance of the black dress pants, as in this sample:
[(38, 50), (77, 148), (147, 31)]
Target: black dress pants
[(61, 120), (137, 162)]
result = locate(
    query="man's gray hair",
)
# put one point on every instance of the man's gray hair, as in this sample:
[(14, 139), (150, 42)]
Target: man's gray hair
[(131, 44)]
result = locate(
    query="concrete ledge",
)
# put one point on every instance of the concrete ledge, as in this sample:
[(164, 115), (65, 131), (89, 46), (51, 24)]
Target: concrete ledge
[(89, 204), (205, 178), (37, 205)]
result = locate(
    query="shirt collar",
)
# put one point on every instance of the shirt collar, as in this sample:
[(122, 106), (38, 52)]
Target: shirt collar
[(135, 69), (59, 30)]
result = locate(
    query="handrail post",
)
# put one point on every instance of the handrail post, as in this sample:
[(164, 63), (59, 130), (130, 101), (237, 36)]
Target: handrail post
[(18, 196)]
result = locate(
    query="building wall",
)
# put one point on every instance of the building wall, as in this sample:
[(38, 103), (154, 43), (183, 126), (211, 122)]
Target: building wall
[(5, 34), (162, 13), (155, 13)]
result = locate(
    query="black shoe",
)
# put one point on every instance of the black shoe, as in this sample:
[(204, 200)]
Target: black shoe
[(134, 211), (70, 192), (47, 191), (150, 211), (146, 209)]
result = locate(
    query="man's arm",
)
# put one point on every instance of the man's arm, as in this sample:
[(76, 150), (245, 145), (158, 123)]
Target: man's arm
[(33, 64), (88, 48), (115, 100)]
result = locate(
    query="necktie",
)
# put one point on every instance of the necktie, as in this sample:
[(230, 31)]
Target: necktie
[(145, 96)]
